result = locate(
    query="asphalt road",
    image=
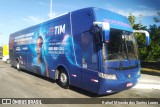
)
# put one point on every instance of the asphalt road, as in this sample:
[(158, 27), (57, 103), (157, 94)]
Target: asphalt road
[(15, 84)]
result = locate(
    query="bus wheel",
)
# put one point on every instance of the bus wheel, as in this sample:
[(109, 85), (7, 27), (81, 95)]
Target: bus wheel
[(63, 79), (18, 66)]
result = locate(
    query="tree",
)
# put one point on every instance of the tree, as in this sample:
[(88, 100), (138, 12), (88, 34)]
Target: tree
[(154, 53), (143, 52), (132, 19), (157, 19)]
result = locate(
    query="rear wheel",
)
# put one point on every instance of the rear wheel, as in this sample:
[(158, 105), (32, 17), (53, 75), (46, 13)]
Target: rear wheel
[(63, 79)]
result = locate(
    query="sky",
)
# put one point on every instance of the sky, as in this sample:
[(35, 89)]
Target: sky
[(16, 15)]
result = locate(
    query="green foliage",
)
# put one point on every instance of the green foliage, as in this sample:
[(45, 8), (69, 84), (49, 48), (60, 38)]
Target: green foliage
[(143, 51), (152, 52), (132, 19), (157, 19)]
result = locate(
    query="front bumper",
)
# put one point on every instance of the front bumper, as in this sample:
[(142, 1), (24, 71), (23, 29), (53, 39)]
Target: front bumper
[(112, 86)]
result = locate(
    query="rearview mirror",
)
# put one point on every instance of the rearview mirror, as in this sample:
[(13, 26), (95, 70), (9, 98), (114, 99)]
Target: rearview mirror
[(146, 35), (105, 30)]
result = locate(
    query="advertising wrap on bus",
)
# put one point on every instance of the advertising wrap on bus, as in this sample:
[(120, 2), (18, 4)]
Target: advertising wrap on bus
[(91, 48)]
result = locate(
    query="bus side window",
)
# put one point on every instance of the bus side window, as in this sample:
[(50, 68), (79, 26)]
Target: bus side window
[(89, 56)]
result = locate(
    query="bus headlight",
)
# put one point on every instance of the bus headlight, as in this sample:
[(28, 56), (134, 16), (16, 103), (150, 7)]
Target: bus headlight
[(107, 76)]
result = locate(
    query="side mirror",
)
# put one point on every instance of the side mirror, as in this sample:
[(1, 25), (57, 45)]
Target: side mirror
[(105, 30), (146, 34)]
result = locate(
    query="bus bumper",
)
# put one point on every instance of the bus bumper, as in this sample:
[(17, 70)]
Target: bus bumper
[(113, 86)]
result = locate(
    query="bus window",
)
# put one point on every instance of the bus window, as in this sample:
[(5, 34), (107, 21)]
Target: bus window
[(89, 56)]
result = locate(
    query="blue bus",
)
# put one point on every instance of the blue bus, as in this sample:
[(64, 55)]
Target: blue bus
[(91, 48)]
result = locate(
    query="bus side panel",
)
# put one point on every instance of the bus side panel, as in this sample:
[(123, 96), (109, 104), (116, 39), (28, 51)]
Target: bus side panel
[(42, 48), (58, 47)]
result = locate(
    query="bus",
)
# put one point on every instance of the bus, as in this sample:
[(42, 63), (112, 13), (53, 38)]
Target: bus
[(90, 48), (1, 52), (5, 57)]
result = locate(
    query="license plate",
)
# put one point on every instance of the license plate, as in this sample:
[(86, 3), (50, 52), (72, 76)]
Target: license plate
[(129, 84)]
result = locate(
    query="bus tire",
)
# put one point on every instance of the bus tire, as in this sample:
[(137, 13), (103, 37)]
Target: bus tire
[(63, 79), (18, 65)]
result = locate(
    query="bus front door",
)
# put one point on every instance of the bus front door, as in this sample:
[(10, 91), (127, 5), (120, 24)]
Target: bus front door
[(90, 64)]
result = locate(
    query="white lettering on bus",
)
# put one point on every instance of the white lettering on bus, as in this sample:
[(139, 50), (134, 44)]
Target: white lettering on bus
[(59, 29)]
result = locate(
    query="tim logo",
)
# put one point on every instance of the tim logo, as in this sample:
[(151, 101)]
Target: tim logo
[(56, 30)]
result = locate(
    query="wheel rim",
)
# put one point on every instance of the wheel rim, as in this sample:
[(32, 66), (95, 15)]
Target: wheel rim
[(63, 78)]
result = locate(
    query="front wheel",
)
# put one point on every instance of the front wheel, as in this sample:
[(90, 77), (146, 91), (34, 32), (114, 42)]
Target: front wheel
[(63, 79)]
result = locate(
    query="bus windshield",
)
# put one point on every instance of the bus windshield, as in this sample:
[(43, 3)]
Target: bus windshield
[(121, 46)]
